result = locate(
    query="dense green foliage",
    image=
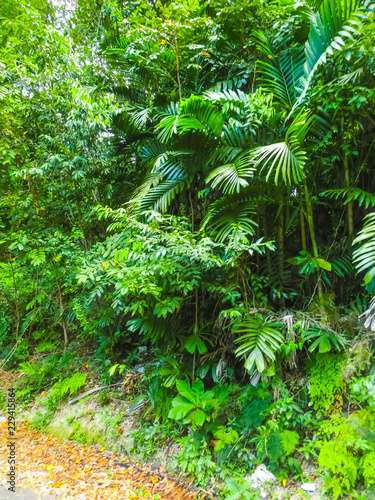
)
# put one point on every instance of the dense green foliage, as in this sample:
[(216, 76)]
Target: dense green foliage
[(197, 178)]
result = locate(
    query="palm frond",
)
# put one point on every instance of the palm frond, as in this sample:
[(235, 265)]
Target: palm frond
[(335, 21), (170, 109), (232, 101), (160, 197), (140, 116), (281, 159), (224, 84), (352, 194), (167, 127), (233, 213), (225, 96), (152, 180), (205, 112), (353, 76), (193, 115), (232, 176), (165, 179), (3, 91), (364, 252), (342, 266), (286, 159), (323, 339), (126, 132), (170, 164), (322, 128), (133, 92), (281, 73), (238, 137), (233, 219), (224, 154), (300, 126), (369, 315), (197, 142), (152, 150), (260, 341)]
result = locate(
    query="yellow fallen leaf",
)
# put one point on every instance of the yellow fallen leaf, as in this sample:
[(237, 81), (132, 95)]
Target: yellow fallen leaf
[(284, 483), (58, 485), (49, 467)]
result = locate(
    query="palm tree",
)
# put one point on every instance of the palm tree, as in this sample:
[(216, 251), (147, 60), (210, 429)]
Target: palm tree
[(289, 70), (216, 147)]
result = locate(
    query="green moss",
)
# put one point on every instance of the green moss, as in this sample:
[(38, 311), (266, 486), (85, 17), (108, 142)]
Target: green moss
[(326, 384)]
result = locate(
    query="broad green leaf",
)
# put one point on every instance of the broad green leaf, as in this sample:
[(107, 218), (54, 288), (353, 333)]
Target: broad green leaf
[(324, 264), (180, 411), (185, 390), (200, 417), (324, 344), (195, 342), (113, 369)]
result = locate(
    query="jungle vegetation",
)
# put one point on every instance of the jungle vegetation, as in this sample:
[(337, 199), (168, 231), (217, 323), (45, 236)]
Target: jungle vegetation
[(197, 177)]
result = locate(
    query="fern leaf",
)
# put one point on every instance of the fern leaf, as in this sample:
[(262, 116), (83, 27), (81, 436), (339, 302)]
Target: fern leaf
[(289, 441)]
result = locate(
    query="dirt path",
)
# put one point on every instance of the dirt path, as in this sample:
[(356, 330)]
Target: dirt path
[(23, 494), (66, 470)]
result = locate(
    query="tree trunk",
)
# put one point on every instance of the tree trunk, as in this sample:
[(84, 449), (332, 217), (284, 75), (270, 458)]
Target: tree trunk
[(62, 322), (303, 230), (310, 222), (18, 324), (350, 203), (263, 218), (177, 66), (347, 179), (280, 245), (192, 212)]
